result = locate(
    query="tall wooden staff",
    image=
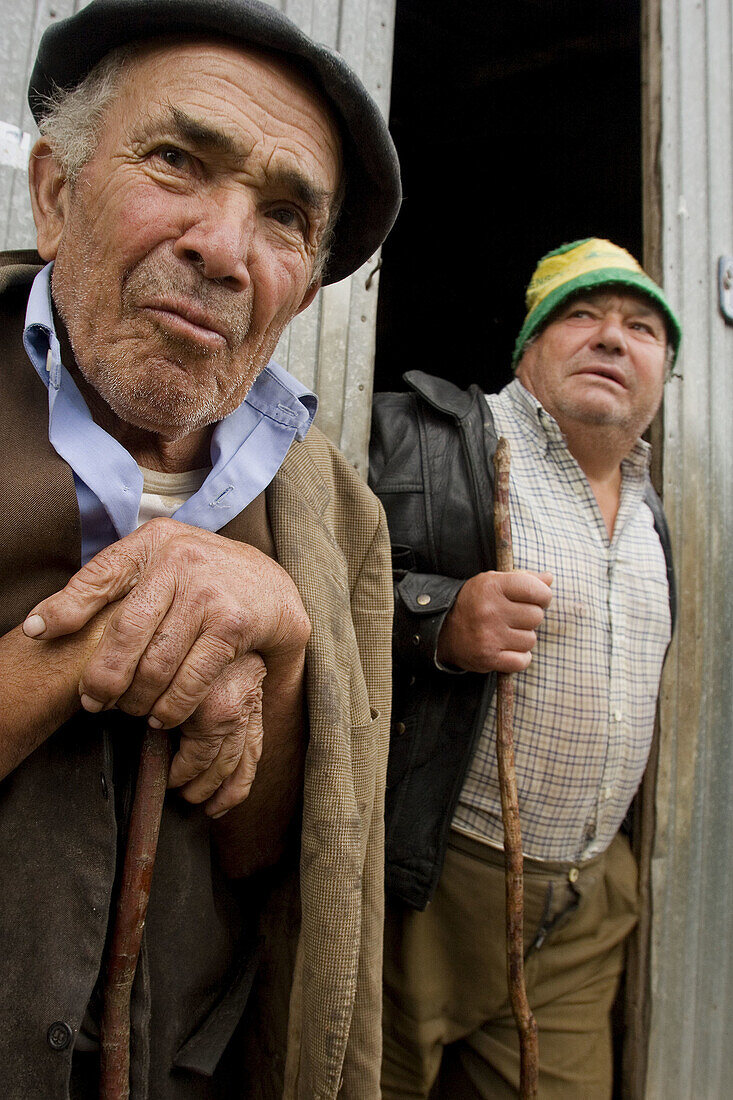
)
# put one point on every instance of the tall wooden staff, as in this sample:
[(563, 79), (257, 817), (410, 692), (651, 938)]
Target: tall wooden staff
[(526, 1023), (137, 874)]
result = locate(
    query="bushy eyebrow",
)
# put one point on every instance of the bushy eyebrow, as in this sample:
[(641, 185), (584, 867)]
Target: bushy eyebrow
[(203, 136), (314, 198), (641, 307)]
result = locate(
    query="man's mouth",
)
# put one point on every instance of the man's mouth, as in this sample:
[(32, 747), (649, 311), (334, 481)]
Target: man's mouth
[(603, 370), (188, 321)]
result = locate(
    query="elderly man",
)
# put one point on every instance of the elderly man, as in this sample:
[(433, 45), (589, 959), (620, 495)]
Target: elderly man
[(203, 167), (593, 590)]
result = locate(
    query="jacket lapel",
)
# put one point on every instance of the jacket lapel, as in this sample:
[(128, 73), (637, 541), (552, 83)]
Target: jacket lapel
[(331, 860), (40, 542)]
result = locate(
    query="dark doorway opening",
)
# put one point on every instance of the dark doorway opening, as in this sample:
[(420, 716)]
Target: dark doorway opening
[(518, 125)]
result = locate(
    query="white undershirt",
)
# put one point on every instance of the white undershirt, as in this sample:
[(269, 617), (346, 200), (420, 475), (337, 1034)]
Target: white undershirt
[(164, 494)]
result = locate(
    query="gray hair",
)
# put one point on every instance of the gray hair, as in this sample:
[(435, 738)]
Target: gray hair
[(73, 120)]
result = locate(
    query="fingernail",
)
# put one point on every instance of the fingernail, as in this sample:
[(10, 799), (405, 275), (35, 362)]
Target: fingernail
[(90, 704), (33, 626), (155, 723), (221, 813)]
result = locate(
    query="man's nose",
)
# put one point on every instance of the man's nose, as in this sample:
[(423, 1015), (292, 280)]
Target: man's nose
[(218, 241), (611, 335)]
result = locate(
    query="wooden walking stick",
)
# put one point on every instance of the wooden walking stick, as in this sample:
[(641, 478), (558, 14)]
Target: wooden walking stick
[(137, 873), (526, 1023)]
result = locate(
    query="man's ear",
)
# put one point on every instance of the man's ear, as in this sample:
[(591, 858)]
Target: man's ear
[(309, 296), (49, 198)]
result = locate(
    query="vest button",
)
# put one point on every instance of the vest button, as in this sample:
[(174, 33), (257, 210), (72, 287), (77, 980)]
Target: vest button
[(59, 1035)]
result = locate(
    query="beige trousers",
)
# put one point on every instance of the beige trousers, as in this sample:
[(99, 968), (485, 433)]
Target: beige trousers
[(449, 1030)]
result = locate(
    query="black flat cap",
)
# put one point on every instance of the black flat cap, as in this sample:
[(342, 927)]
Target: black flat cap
[(71, 48)]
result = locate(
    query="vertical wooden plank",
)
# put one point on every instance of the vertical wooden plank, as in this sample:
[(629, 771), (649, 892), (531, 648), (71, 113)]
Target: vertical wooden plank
[(691, 1035), (23, 24), (367, 29), (340, 327)]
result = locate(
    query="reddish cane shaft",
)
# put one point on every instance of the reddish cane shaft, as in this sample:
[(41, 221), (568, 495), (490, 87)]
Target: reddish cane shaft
[(526, 1024), (132, 906)]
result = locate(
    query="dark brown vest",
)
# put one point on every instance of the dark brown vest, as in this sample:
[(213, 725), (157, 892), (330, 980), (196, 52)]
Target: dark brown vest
[(63, 810)]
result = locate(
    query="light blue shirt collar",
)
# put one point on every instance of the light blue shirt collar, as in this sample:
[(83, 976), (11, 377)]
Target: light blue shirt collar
[(247, 446)]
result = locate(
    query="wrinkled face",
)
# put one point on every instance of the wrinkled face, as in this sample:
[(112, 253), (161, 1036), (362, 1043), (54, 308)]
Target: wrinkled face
[(190, 239), (600, 361)]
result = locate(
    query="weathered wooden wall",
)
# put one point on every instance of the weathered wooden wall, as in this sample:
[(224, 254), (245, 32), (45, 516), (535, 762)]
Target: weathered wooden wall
[(689, 224)]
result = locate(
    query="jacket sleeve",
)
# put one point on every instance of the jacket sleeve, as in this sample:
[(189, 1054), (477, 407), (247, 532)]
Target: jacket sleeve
[(429, 466), (421, 599)]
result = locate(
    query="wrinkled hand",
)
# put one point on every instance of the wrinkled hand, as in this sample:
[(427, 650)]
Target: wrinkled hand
[(221, 742), (492, 625), (190, 603)]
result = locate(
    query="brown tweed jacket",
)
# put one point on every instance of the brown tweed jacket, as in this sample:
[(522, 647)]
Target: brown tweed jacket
[(330, 535)]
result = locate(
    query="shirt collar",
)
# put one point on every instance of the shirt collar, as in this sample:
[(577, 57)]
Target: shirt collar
[(281, 397), (39, 334)]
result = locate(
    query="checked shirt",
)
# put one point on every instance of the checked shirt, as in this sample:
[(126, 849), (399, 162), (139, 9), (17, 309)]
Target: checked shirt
[(584, 709)]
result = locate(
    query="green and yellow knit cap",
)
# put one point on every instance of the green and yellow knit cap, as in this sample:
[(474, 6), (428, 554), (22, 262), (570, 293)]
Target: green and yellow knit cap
[(587, 265)]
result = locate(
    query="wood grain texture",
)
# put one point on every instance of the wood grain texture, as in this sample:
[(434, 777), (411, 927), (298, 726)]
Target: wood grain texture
[(526, 1023)]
